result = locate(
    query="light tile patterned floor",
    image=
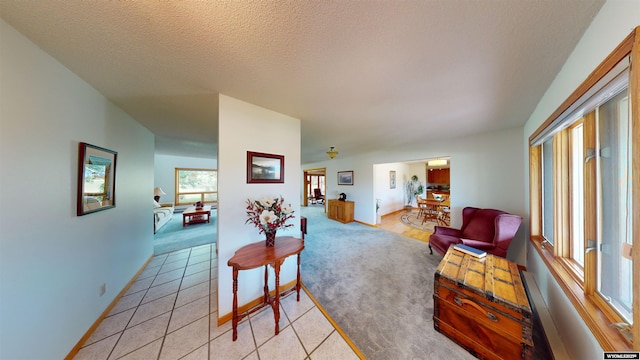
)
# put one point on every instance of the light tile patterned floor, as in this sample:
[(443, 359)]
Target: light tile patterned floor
[(170, 313)]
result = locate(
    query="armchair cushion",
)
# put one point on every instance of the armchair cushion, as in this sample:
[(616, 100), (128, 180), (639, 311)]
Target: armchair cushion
[(317, 196), (485, 229), (481, 226)]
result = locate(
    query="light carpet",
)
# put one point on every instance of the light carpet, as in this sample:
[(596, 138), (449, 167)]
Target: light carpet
[(377, 286), (173, 236)]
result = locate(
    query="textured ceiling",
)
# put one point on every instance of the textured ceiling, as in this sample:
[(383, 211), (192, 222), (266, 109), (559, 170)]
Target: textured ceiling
[(361, 75)]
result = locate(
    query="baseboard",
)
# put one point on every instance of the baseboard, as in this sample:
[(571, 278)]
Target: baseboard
[(253, 303), (364, 223), (248, 306), (554, 341), (403, 210), (335, 325), (85, 337)]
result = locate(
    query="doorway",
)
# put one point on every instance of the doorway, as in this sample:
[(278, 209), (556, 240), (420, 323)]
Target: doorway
[(314, 179)]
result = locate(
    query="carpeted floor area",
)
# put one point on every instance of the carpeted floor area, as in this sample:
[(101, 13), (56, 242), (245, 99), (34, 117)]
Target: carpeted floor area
[(377, 286), (173, 236)]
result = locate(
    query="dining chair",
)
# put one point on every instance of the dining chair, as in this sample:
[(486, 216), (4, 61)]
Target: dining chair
[(430, 210), (445, 215), (421, 206)]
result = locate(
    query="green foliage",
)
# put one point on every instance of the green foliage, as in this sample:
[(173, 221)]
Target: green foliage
[(413, 187)]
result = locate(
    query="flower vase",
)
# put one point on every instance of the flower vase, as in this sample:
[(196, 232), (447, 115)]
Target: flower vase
[(271, 238)]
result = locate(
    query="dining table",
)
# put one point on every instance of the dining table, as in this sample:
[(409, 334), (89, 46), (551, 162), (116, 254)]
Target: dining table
[(435, 210)]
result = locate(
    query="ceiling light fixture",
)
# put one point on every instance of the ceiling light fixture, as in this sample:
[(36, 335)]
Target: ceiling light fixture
[(437, 162), (332, 153)]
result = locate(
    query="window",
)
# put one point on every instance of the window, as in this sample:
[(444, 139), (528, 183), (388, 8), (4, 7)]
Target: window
[(315, 182), (581, 196), (576, 174), (547, 190), (193, 185), (615, 204)]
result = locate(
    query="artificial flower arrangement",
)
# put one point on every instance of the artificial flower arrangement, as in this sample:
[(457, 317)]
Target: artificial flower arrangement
[(269, 214)]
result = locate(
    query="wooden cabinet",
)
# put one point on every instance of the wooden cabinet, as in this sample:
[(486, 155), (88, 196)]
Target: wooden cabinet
[(481, 304), (438, 176), (341, 210)]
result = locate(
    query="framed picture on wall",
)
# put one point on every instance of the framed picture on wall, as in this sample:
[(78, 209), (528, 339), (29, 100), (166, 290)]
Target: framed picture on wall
[(392, 179), (265, 168), (345, 177), (96, 179)]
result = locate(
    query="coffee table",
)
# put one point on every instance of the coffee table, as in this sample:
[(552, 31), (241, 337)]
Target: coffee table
[(191, 215)]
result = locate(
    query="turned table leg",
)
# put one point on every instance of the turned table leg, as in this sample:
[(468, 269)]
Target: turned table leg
[(265, 298), (276, 307), (298, 279), (235, 304)]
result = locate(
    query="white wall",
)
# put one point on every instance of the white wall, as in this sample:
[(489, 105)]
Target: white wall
[(247, 127), (165, 168), (390, 199), (53, 262), (362, 190), (395, 199), (613, 23)]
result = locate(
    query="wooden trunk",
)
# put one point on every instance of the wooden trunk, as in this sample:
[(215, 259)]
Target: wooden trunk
[(481, 304)]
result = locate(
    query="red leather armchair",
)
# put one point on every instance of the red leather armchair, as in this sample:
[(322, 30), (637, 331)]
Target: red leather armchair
[(489, 230)]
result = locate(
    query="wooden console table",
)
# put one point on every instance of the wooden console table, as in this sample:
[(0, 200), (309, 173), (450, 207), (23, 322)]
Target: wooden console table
[(258, 254)]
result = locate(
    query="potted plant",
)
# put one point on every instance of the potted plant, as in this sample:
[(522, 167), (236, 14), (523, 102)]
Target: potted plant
[(413, 187)]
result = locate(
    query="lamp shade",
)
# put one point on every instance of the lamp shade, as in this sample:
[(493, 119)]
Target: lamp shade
[(158, 192)]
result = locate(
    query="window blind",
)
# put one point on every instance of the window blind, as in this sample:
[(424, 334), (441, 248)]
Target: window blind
[(614, 82)]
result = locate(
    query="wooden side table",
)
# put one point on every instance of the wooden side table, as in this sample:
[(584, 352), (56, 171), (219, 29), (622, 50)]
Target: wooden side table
[(192, 215), (258, 254)]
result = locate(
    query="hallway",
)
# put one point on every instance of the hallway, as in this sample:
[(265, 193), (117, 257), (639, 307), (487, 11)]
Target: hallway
[(170, 312)]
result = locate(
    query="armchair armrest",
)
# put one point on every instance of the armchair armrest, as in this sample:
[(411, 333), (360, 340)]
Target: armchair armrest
[(506, 227), (480, 245), (441, 230)]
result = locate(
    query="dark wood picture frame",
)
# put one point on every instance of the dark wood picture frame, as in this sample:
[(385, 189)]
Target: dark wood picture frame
[(265, 168), (345, 177), (96, 179)]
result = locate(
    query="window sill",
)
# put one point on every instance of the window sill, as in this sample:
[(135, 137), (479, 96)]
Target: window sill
[(601, 326)]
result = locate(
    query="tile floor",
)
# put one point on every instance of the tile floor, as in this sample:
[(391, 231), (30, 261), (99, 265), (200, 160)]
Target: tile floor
[(170, 313)]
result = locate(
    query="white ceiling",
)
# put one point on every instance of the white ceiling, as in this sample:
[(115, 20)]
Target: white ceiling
[(361, 75)]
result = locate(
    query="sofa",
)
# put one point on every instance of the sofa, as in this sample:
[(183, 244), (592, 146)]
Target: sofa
[(488, 230), (162, 213)]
